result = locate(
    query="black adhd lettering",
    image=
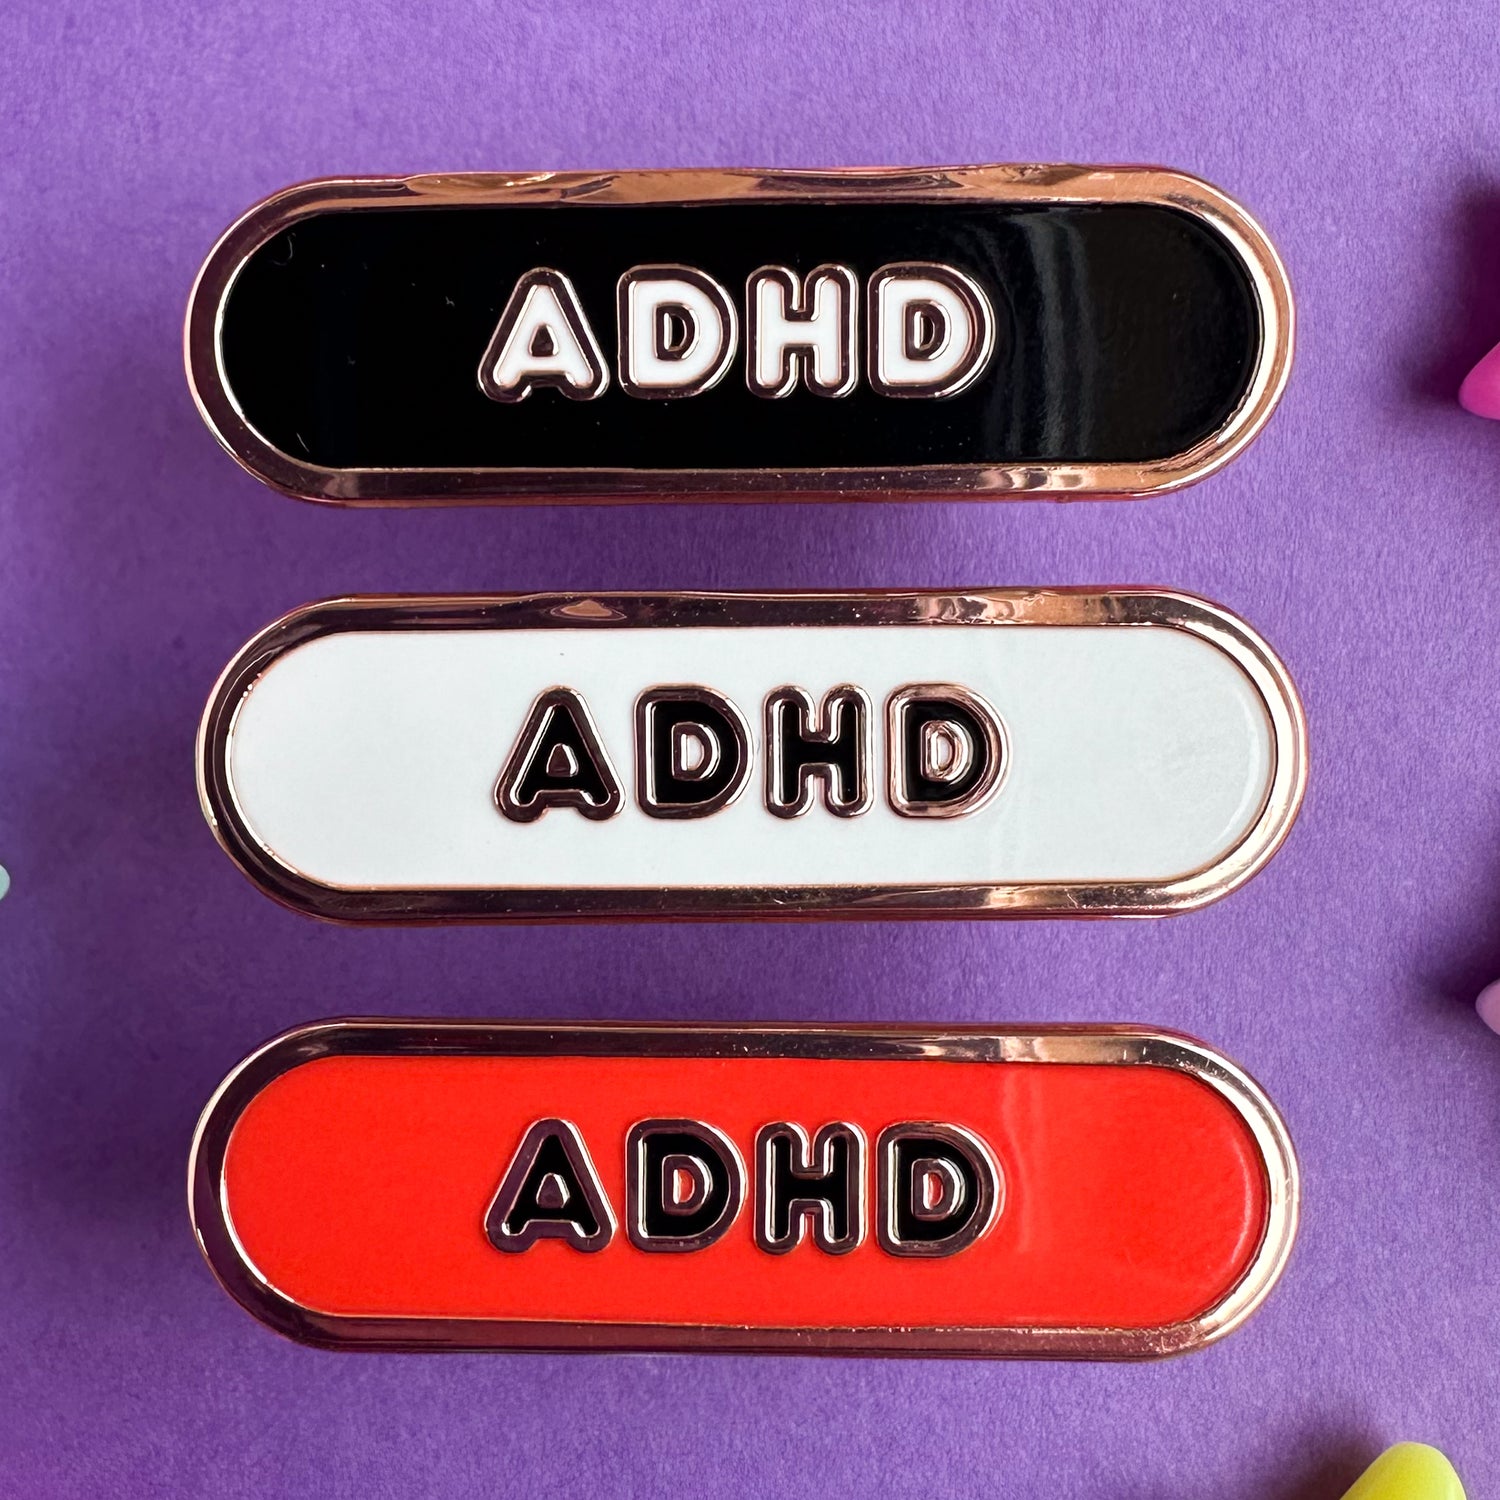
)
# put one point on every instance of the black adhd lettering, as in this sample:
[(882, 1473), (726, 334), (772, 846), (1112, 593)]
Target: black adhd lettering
[(800, 1183), (692, 752), (558, 761), (685, 1185), (831, 746), (939, 1189), (948, 751), (550, 1191)]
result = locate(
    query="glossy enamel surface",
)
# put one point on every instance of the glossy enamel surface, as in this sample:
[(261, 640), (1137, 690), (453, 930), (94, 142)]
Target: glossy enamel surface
[(1149, 755), (1141, 334), (341, 1179)]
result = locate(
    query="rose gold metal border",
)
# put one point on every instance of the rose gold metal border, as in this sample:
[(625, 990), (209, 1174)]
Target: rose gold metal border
[(983, 609), (1099, 1046), (1038, 184)]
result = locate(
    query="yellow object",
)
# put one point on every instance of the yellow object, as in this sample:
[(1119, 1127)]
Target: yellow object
[(1409, 1471)]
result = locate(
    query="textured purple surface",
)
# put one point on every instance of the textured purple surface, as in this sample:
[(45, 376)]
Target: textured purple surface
[(1361, 534)]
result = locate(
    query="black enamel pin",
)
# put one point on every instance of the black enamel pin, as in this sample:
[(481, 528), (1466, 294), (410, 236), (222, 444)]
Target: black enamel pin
[(990, 332)]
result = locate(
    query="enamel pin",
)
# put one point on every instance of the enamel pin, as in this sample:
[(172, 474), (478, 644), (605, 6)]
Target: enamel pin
[(985, 331), (993, 753), (1089, 1192)]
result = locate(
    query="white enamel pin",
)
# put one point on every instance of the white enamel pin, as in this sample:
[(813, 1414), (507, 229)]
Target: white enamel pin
[(990, 753)]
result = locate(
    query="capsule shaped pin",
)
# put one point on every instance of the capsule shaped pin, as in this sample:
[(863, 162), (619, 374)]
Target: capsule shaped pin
[(1089, 1192), (984, 331), (992, 753)]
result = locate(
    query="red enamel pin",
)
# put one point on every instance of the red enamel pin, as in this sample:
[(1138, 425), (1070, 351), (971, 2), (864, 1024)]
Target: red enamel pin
[(1090, 1192)]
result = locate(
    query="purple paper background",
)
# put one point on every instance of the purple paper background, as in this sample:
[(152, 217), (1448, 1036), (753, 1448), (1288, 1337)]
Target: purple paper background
[(1360, 533)]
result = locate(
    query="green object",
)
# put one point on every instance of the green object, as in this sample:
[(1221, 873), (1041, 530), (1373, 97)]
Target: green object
[(4, 880), (1409, 1471)]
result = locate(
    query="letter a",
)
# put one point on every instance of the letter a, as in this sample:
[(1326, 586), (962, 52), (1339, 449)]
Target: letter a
[(558, 761), (550, 1191), (543, 339)]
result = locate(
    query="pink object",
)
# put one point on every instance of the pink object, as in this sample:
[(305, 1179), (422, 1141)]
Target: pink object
[(1480, 392), (1488, 1005)]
